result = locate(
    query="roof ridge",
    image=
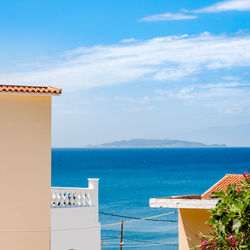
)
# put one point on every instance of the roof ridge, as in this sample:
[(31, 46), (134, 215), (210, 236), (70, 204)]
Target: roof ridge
[(29, 89), (26, 86), (207, 191), (220, 185)]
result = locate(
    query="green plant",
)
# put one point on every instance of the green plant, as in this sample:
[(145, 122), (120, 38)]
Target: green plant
[(230, 219)]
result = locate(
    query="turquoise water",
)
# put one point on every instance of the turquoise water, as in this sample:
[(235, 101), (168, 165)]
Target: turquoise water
[(129, 177)]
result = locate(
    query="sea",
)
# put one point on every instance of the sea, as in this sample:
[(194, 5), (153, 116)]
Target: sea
[(130, 177)]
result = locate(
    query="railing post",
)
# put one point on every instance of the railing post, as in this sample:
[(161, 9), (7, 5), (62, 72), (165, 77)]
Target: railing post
[(93, 184)]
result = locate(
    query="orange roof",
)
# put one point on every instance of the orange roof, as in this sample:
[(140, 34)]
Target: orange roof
[(223, 184), (30, 89)]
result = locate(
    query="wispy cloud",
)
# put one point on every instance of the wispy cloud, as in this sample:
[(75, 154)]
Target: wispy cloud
[(201, 91), (133, 100), (167, 17), (128, 40), (226, 97), (228, 5), (141, 108), (135, 104), (159, 59), (95, 100)]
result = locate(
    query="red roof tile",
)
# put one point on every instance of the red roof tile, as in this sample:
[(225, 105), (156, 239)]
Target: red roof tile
[(30, 89), (223, 184)]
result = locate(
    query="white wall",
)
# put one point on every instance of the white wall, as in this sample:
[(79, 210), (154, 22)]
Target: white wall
[(77, 217), (84, 239)]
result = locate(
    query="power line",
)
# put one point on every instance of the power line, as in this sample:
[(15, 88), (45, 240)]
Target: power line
[(136, 244), (142, 241), (147, 245), (145, 241), (90, 227), (117, 223), (110, 238), (130, 245), (136, 218)]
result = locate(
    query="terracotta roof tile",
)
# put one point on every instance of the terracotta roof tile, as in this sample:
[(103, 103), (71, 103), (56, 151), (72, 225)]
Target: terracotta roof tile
[(223, 184), (30, 89)]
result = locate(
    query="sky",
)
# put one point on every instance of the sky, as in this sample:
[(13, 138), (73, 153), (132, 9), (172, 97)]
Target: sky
[(134, 69)]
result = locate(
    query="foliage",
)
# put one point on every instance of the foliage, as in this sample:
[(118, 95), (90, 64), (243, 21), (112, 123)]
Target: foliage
[(230, 219)]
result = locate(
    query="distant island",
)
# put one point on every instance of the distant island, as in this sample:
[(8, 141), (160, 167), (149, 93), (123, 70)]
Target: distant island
[(158, 143)]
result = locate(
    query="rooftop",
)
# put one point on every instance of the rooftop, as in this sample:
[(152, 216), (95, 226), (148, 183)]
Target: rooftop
[(22, 89), (204, 201), (223, 184)]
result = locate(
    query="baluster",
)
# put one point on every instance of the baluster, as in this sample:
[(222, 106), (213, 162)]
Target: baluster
[(72, 199), (62, 198), (88, 199), (66, 198), (77, 199), (82, 199), (57, 200), (74, 195), (53, 197)]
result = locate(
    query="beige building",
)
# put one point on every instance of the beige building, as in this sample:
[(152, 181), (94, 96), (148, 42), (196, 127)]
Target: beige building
[(25, 167), (34, 215), (193, 211)]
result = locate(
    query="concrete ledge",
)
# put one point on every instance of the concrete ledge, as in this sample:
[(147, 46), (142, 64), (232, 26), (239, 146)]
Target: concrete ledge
[(183, 203)]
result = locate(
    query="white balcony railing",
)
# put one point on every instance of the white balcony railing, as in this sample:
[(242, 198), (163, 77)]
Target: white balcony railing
[(75, 197), (68, 197), (73, 210)]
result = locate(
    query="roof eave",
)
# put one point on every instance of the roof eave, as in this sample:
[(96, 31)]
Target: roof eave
[(183, 203), (29, 93)]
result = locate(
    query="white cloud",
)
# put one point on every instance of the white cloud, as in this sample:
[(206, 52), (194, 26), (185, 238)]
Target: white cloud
[(141, 108), (229, 5), (159, 59), (201, 91), (133, 100), (231, 78), (128, 40), (167, 17), (227, 97), (95, 100)]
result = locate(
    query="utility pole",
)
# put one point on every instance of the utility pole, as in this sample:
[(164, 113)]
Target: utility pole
[(121, 241)]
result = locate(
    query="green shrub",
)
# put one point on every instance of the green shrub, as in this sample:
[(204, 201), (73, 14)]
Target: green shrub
[(230, 219)]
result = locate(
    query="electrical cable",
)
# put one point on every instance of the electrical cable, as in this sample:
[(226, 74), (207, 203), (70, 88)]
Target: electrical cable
[(111, 238), (143, 241), (130, 217), (90, 227), (146, 245), (136, 240), (132, 244)]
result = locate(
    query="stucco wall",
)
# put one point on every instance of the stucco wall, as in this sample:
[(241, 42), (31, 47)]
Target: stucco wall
[(70, 218), (25, 174), (191, 223)]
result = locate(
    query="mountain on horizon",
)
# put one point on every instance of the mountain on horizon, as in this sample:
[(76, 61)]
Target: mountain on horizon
[(158, 143)]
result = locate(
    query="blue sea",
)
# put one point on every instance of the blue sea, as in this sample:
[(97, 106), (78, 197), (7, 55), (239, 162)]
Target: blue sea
[(129, 177)]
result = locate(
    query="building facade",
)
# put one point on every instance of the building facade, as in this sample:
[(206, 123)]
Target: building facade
[(25, 175), (193, 210)]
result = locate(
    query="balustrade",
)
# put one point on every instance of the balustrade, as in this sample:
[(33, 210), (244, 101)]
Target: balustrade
[(71, 197)]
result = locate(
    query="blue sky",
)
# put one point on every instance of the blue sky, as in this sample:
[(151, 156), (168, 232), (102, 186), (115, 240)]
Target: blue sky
[(134, 69)]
